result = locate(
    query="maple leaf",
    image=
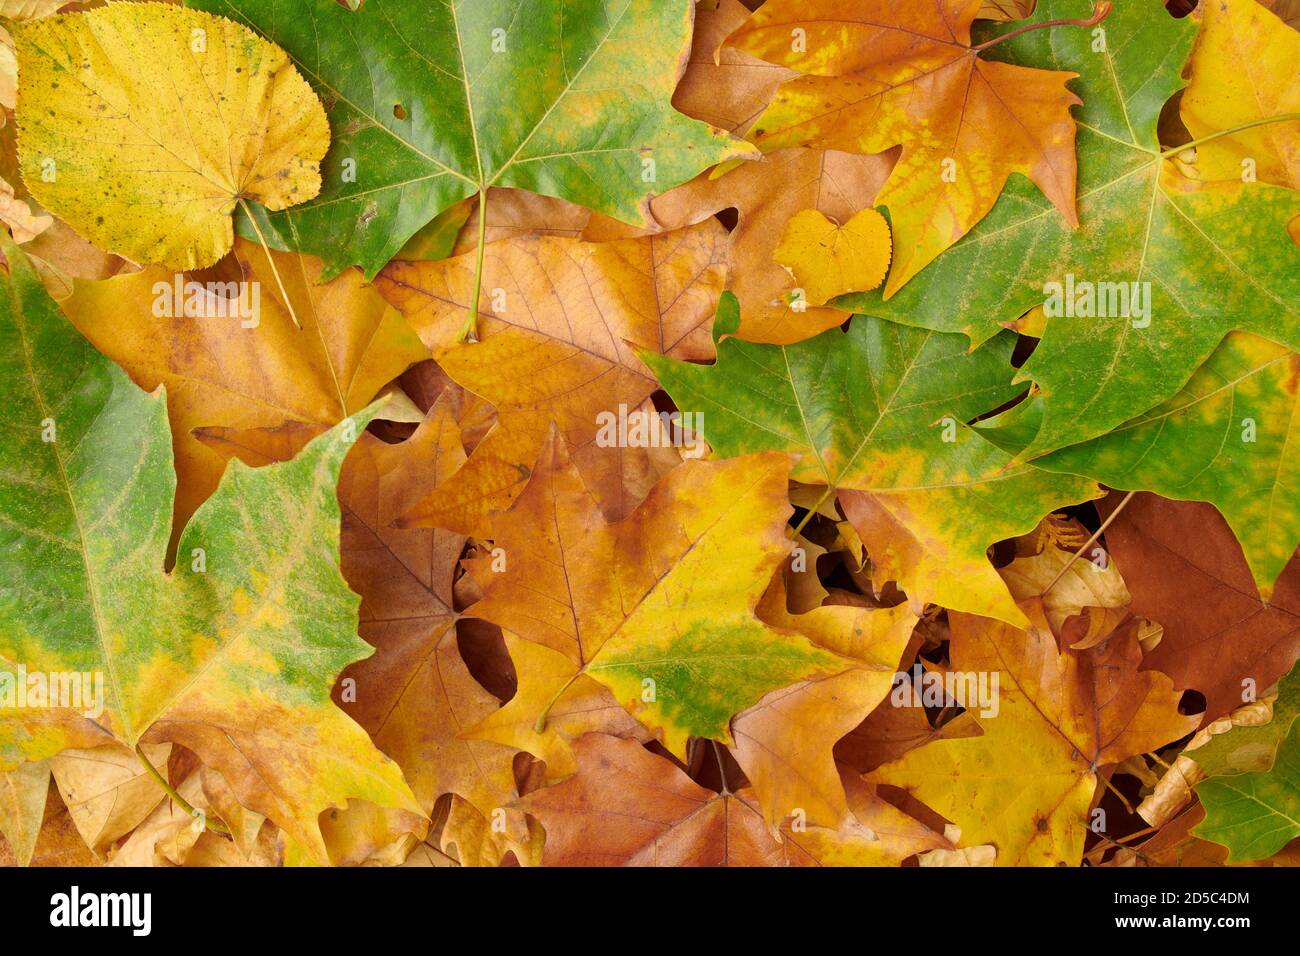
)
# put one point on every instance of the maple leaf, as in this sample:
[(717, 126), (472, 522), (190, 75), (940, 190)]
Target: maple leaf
[(867, 412), (107, 141), (731, 92), (658, 607), (233, 658), (1255, 814), (1239, 67), (1185, 569), (1027, 782), (1207, 258), (563, 98), (880, 75), (784, 742), (240, 362), (415, 694), (559, 346), (627, 807), (1228, 437)]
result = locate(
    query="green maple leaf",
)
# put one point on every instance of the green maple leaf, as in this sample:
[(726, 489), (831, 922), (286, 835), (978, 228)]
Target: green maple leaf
[(1231, 436), (1254, 814), (880, 410), (568, 98), (1217, 256), (234, 652), (1252, 747)]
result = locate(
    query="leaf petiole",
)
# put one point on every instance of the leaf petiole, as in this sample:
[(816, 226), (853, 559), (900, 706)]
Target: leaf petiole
[(213, 825), (288, 303), (1100, 11), (467, 331), (1210, 137)]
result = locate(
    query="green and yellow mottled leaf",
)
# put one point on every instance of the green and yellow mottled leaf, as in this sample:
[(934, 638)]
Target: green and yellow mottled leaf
[(878, 414), (1255, 814), (568, 98), (1207, 258), (1231, 437), (658, 607), (234, 652)]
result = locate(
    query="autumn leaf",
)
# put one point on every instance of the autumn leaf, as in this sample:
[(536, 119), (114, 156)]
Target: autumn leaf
[(560, 345), (664, 617), (233, 653), (1255, 814), (1239, 66), (627, 807), (1084, 600), (238, 361), (784, 742), (150, 189), (879, 75), (565, 99), (415, 695), (1227, 438), (1207, 259), (1185, 569), (23, 792), (827, 259), (1027, 782), (876, 413)]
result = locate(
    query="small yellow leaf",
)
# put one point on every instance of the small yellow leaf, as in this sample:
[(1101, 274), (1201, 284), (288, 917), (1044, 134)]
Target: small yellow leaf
[(827, 259), (142, 125)]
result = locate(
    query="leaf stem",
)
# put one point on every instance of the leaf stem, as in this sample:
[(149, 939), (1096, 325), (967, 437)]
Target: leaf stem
[(1111, 787), (539, 725), (214, 826), (288, 303), (468, 330), (1100, 11), (803, 522), (1089, 543), (1210, 137), (722, 768)]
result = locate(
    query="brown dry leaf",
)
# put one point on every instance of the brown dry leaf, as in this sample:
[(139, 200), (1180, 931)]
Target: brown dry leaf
[(168, 834), (23, 792), (1086, 604), (1185, 570), (784, 742), (17, 215), (107, 790), (224, 370), (627, 807), (561, 324), (58, 843), (889, 732)]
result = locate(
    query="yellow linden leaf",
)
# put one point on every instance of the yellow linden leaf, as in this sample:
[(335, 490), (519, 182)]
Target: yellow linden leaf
[(143, 124), (1243, 70), (827, 259)]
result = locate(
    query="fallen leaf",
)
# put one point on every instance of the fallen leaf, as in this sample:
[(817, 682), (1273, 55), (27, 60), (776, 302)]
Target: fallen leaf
[(882, 75), (151, 190), (526, 94), (827, 259)]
